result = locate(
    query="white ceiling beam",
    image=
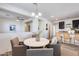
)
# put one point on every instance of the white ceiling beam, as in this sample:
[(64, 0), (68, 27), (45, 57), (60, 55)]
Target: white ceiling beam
[(14, 9)]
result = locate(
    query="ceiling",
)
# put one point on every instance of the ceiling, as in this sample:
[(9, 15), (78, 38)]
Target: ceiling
[(8, 14), (56, 10)]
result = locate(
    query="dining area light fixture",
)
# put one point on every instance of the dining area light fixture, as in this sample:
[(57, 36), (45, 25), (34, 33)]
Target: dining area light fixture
[(36, 13)]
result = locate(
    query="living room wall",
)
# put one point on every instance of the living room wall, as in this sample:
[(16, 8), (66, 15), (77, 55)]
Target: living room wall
[(6, 23)]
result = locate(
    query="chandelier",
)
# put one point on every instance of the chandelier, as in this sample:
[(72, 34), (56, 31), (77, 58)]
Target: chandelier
[(36, 13)]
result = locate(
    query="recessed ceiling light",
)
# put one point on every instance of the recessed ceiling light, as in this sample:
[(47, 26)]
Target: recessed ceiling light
[(40, 14), (17, 20), (51, 16), (33, 14), (56, 19)]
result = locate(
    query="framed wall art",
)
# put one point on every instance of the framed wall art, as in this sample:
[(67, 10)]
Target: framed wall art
[(12, 27)]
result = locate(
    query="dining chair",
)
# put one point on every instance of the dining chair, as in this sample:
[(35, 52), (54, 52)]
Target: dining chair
[(56, 48), (40, 52), (18, 49)]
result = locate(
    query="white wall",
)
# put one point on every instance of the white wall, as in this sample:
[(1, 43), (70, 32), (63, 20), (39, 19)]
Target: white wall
[(5, 24), (43, 28), (44, 32)]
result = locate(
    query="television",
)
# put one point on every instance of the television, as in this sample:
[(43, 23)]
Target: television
[(61, 25), (75, 24)]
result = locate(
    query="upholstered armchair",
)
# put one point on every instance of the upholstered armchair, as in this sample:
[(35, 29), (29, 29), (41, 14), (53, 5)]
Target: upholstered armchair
[(18, 49), (56, 45)]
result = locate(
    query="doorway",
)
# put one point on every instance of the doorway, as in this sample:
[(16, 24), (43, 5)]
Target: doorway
[(27, 26)]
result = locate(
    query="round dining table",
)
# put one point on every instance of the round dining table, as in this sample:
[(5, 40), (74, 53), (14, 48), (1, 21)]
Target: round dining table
[(32, 42)]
